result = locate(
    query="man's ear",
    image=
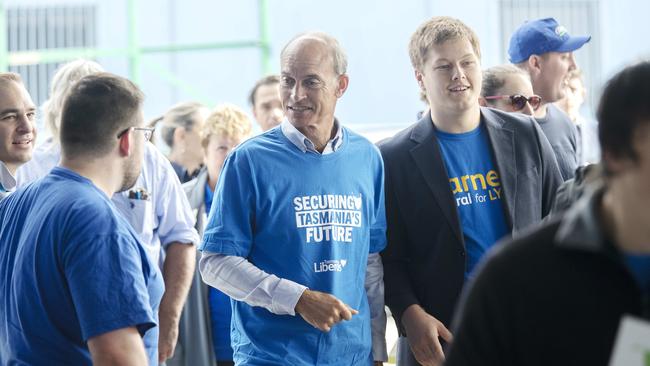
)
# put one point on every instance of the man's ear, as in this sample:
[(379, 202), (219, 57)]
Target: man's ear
[(344, 80), (534, 64), (482, 102), (125, 143), (179, 134), (419, 77)]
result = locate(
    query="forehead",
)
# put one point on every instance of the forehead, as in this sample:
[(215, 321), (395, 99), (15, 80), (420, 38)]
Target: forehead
[(452, 49), (14, 95), (517, 84), (267, 92), (307, 56)]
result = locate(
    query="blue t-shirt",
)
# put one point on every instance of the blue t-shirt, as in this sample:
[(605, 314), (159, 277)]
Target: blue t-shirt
[(639, 266), (220, 310), (477, 189), (308, 218), (72, 269)]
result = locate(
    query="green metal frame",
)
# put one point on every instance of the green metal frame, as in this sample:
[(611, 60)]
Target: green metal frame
[(133, 50)]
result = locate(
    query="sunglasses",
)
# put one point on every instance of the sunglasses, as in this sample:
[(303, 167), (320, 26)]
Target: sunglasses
[(519, 101)]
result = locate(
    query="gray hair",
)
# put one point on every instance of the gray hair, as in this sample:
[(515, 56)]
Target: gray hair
[(494, 78), (339, 58), (64, 78)]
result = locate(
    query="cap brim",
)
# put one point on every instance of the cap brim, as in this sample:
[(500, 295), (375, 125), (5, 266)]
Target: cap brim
[(573, 43)]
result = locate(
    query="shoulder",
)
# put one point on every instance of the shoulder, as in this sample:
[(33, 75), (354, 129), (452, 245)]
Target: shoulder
[(513, 121), (359, 142), (399, 144), (193, 189)]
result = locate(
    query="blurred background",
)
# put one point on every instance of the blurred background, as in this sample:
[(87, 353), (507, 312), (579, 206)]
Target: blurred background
[(213, 51)]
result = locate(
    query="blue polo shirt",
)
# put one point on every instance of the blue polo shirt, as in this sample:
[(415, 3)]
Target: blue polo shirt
[(71, 268)]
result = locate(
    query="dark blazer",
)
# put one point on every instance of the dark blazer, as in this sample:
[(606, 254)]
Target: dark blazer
[(424, 262)]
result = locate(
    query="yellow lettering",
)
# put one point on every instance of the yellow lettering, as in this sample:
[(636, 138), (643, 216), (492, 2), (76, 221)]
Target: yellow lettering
[(464, 179), (455, 184), (480, 178), (493, 179)]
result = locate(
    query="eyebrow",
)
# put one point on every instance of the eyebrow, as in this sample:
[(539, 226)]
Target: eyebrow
[(16, 110)]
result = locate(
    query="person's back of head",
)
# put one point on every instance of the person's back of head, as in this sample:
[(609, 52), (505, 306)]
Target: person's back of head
[(96, 110), (624, 116), (65, 77)]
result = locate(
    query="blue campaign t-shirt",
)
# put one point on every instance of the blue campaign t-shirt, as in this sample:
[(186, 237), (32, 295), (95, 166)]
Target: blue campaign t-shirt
[(477, 190), (219, 304), (71, 269), (308, 218)]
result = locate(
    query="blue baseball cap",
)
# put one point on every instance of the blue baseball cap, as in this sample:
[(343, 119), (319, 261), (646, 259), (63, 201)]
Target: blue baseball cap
[(540, 36)]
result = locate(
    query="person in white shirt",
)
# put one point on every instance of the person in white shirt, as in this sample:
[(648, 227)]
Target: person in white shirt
[(155, 206), (17, 132)]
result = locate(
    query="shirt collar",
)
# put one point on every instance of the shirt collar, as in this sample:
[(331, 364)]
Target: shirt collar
[(304, 144), (581, 228), (7, 180)]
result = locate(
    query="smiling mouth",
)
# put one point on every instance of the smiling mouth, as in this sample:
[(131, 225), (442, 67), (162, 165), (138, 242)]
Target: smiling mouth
[(460, 88), (26, 141), (299, 109)]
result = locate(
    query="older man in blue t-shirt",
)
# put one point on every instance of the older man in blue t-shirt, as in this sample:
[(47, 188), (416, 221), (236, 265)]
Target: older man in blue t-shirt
[(296, 226), (77, 286)]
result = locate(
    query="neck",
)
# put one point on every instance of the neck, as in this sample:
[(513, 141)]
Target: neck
[(95, 170), (182, 159), (625, 220), (319, 134), (457, 122), (212, 181)]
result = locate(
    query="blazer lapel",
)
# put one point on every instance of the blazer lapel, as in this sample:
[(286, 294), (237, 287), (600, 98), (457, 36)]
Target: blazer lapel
[(502, 140), (428, 159)]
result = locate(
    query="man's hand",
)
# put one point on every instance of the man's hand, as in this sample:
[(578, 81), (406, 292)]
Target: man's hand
[(168, 336), (422, 332), (323, 310)]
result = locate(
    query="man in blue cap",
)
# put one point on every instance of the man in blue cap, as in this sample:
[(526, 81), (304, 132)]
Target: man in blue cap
[(544, 49)]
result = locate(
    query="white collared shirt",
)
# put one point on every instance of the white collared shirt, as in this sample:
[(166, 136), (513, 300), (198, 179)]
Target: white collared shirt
[(7, 181), (306, 145), (161, 215)]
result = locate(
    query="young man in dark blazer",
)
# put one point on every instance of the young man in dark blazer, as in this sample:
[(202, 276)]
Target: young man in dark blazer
[(456, 182)]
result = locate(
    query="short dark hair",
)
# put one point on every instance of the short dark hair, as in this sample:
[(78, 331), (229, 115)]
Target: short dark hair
[(267, 80), (97, 108), (623, 109)]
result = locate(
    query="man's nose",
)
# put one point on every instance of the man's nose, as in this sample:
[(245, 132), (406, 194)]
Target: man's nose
[(458, 73), (572, 62), (24, 124)]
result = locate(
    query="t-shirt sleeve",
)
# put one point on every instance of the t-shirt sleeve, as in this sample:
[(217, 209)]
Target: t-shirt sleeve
[(175, 217), (231, 221), (107, 284), (378, 223)]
